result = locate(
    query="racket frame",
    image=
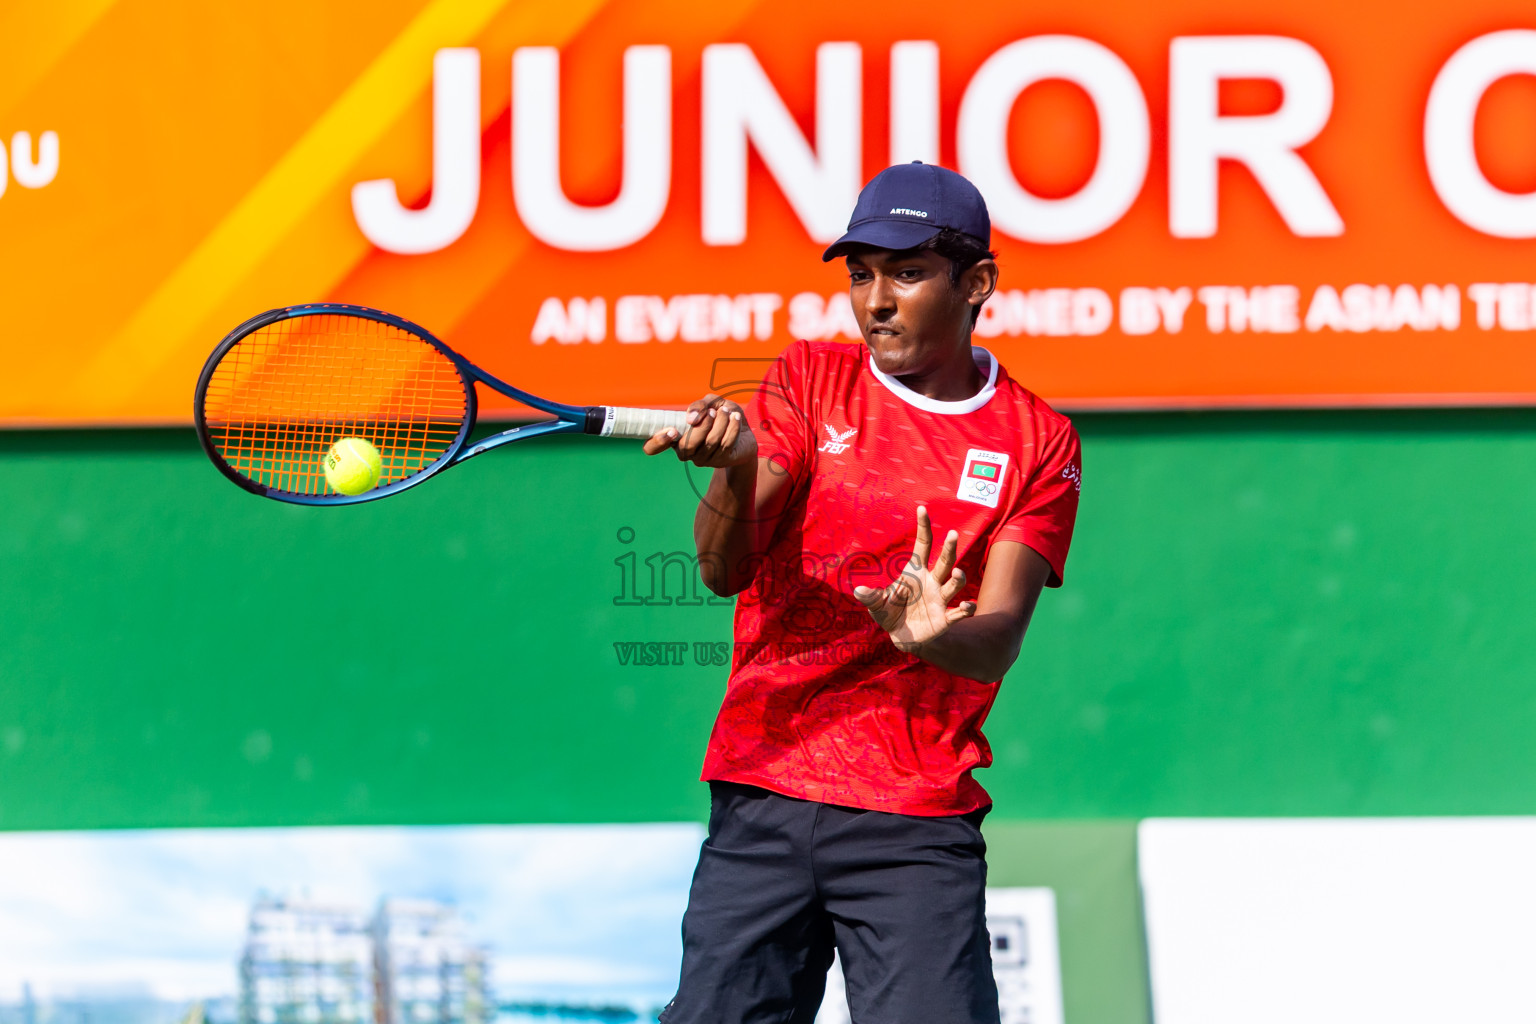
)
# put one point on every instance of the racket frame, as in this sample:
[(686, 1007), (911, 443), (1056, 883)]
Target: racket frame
[(569, 419)]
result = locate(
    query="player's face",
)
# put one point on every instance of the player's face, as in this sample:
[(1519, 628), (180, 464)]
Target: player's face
[(913, 317)]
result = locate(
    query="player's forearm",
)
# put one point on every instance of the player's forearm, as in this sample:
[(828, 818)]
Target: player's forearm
[(983, 647), (724, 529)]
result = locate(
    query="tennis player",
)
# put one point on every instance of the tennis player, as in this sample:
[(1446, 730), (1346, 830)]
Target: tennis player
[(844, 812)]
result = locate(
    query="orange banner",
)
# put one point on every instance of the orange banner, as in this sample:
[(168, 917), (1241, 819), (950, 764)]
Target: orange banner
[(1196, 203)]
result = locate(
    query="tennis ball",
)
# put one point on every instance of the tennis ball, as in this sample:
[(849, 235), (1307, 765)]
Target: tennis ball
[(352, 466)]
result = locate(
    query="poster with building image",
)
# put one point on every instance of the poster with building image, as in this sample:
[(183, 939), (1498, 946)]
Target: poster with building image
[(387, 925), (376, 925)]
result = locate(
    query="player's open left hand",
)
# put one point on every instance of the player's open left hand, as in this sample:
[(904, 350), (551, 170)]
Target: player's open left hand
[(914, 609), (717, 436)]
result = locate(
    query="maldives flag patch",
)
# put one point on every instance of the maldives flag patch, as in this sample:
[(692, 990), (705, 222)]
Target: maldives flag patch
[(981, 477)]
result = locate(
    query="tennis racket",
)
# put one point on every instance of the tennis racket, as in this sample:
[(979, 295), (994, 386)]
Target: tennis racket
[(286, 385)]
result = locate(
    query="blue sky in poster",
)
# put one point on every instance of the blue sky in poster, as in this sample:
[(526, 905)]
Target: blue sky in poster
[(581, 912)]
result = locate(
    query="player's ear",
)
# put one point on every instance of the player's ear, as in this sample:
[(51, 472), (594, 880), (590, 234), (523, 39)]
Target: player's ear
[(979, 282)]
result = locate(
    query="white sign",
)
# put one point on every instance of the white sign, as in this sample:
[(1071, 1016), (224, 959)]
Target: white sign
[(1345, 921)]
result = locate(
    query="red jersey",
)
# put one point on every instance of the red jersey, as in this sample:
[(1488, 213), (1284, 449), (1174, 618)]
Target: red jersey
[(820, 704)]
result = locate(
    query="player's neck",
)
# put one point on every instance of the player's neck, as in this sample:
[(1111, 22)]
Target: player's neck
[(954, 380)]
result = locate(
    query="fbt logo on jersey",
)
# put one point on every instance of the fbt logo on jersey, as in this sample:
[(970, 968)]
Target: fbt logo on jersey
[(981, 480), (837, 440)]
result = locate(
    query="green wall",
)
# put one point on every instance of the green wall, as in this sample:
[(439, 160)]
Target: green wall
[(1265, 614)]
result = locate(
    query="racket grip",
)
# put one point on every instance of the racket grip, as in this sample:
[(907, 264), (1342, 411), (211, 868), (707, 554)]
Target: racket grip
[(640, 424)]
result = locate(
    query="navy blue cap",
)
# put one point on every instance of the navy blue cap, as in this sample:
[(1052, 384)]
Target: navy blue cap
[(905, 205)]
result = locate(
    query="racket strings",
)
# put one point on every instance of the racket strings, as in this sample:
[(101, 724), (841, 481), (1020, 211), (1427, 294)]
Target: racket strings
[(282, 395)]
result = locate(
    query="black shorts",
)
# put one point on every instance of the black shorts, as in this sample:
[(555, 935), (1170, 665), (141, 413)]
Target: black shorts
[(780, 882)]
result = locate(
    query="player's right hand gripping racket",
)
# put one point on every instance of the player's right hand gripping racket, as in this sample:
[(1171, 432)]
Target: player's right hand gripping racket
[(286, 385)]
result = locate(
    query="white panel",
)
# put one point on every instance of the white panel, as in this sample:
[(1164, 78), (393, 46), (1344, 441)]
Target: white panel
[(1408, 921), (1026, 957)]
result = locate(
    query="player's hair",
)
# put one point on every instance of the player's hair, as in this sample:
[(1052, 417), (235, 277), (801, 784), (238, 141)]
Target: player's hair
[(963, 252)]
